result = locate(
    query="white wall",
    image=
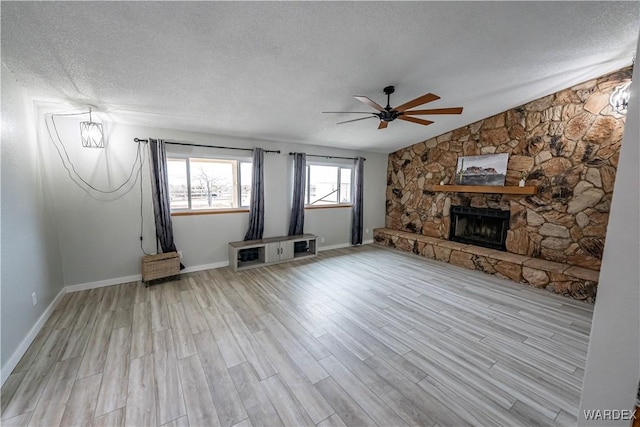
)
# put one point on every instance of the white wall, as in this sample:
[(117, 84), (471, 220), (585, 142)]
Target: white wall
[(100, 236), (30, 256), (613, 361)]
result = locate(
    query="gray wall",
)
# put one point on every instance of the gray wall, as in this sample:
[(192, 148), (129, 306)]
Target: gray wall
[(100, 236), (613, 361), (30, 251)]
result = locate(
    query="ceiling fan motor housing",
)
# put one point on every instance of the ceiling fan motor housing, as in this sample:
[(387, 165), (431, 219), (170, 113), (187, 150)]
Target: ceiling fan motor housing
[(388, 116)]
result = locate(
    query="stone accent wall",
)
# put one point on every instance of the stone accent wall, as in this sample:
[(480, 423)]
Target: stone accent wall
[(567, 142)]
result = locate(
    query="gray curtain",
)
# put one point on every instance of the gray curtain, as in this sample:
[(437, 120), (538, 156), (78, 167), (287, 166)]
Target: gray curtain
[(256, 210), (160, 196), (296, 222), (357, 222)]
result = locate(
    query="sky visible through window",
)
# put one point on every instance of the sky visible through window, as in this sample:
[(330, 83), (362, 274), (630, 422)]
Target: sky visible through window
[(213, 183)]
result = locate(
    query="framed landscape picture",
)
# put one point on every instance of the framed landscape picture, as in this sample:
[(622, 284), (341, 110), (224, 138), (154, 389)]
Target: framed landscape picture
[(490, 169)]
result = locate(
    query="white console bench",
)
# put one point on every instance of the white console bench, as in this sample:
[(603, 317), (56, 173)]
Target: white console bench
[(256, 253)]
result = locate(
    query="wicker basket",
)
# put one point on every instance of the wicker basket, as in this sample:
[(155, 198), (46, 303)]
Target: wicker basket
[(160, 266)]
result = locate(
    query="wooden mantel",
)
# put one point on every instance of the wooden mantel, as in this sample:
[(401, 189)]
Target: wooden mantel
[(488, 189)]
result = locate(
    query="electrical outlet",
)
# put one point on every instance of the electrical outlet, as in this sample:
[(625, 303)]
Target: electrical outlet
[(180, 254), (366, 230), (322, 240), (34, 298)]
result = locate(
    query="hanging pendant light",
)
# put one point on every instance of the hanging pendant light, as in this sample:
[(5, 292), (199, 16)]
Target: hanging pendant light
[(91, 134)]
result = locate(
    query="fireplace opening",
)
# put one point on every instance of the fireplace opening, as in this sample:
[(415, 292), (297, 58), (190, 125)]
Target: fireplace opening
[(479, 226)]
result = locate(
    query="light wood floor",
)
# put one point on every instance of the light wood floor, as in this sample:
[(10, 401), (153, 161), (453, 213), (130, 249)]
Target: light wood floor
[(358, 336)]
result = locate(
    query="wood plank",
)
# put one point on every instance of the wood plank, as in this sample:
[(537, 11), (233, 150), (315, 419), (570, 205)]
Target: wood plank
[(141, 338), (227, 344), (165, 368), (82, 402), (346, 408), (312, 401), (27, 394), (193, 311), (17, 421), (250, 348), (229, 406), (141, 399), (159, 312), (96, 350), (333, 421), (178, 422), (200, 407), (109, 299), (433, 408), (488, 189), (171, 292), (51, 404), (182, 337), (112, 419), (256, 402), (361, 394), (9, 388), (79, 335), (288, 408), (113, 390), (405, 408), (51, 351), (298, 353)]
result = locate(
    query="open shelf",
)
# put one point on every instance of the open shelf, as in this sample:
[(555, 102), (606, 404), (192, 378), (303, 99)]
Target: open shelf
[(304, 248), (488, 189), (250, 257)]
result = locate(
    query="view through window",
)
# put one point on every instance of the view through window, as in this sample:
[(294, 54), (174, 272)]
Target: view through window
[(203, 183), (328, 185)]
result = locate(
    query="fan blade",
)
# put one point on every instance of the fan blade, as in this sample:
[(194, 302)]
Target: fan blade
[(355, 120), (383, 124), (416, 120), (418, 101), (455, 110), (347, 112), (369, 102)]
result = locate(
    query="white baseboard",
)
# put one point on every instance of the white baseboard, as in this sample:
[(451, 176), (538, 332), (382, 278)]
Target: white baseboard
[(341, 245), (205, 267), (137, 277), (102, 283), (338, 246), (26, 342)]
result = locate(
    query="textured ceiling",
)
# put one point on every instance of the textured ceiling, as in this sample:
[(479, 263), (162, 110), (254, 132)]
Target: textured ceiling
[(267, 70)]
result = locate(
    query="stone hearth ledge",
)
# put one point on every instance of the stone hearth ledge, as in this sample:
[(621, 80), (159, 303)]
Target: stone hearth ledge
[(565, 279)]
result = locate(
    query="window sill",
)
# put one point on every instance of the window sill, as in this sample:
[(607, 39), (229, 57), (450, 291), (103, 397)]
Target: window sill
[(328, 206), (209, 212)]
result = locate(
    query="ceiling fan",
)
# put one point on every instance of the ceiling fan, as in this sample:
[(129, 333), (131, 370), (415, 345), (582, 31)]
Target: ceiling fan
[(388, 114)]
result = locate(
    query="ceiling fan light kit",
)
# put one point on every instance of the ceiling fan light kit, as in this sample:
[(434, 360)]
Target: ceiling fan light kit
[(402, 112)]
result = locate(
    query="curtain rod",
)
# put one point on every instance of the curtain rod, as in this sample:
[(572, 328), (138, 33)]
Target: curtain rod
[(206, 146), (330, 157)]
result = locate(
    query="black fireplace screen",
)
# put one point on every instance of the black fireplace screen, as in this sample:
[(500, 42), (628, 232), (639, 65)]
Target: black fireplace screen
[(478, 226)]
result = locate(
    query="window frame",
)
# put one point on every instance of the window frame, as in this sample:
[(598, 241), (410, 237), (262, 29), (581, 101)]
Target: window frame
[(339, 166), (237, 182)]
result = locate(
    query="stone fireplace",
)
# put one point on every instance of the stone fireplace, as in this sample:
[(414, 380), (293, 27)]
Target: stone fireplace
[(566, 144), (479, 226)]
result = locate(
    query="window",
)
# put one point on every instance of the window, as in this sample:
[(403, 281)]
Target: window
[(204, 184), (328, 185)]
